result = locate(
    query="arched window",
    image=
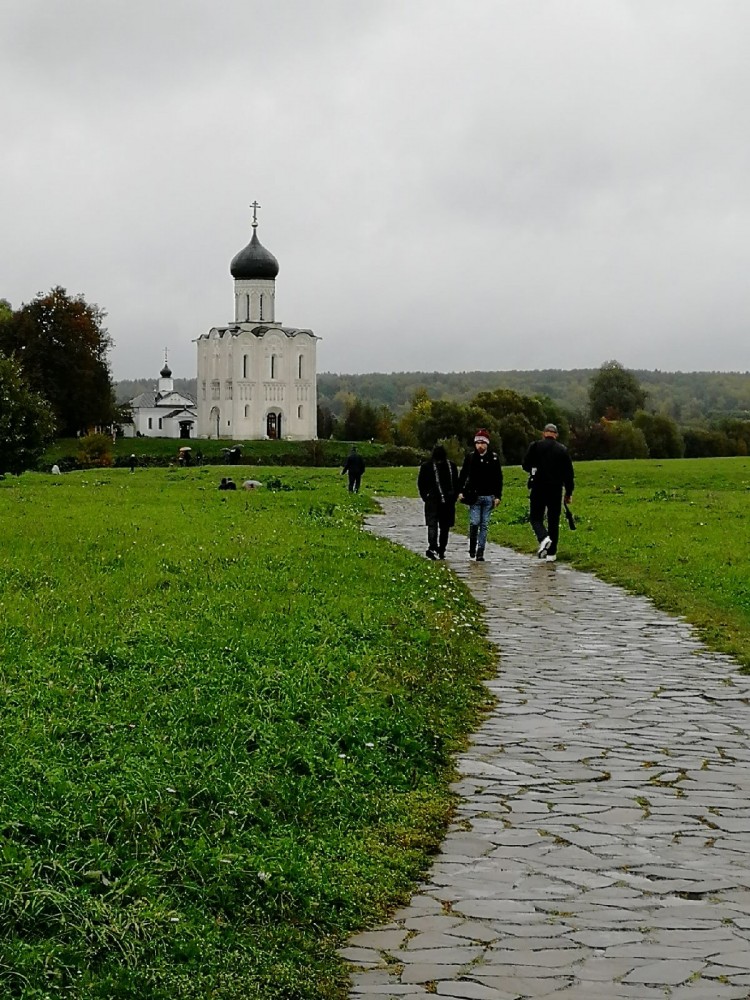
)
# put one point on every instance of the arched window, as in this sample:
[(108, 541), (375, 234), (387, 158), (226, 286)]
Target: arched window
[(299, 412), (299, 366), (274, 366), (244, 365), (247, 412), (247, 301)]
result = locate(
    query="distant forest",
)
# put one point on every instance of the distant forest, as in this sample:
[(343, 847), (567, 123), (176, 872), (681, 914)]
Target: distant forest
[(690, 398)]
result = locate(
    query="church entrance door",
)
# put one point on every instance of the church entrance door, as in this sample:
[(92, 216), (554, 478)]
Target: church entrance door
[(273, 426)]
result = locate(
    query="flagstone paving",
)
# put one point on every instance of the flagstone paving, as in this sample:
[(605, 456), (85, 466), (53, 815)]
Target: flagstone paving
[(601, 844)]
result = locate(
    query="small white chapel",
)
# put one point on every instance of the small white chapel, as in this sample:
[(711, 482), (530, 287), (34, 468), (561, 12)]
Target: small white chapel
[(163, 412), (256, 378)]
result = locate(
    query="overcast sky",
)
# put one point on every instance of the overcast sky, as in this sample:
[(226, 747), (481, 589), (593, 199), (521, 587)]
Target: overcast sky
[(447, 185)]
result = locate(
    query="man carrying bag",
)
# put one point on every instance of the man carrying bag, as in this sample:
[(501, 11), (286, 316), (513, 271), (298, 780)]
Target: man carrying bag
[(550, 472)]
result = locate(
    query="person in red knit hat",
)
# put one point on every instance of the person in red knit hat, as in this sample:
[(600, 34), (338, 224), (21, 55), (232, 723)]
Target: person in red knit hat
[(480, 485)]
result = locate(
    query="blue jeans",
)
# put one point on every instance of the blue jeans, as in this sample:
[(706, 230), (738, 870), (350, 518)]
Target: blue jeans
[(479, 517)]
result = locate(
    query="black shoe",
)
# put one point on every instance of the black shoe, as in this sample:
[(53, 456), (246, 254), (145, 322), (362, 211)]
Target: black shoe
[(480, 555), (441, 555), (472, 555), (431, 554)]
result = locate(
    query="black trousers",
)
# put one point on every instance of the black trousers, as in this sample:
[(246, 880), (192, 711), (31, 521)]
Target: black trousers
[(546, 502), (354, 481), (438, 528)]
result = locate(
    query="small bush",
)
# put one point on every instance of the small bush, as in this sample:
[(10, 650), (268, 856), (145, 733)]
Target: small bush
[(95, 451)]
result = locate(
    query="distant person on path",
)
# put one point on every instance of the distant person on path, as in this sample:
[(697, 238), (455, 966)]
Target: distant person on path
[(550, 472), (132, 463), (355, 466), (437, 483), (480, 485)]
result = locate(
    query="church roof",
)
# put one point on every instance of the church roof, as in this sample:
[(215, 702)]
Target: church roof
[(148, 400), (258, 331), (145, 399), (254, 261)]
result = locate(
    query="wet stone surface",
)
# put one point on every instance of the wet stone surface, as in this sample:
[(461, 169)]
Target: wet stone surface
[(601, 845)]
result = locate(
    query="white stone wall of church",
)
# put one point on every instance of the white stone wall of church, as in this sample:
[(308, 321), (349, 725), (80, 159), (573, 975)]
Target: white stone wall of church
[(253, 392)]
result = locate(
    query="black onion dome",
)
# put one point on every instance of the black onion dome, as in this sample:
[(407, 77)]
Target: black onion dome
[(166, 371), (254, 261)]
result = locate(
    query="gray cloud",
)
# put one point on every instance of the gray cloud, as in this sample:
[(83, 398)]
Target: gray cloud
[(446, 185)]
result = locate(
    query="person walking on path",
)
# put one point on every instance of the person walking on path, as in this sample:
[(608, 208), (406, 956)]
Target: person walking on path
[(437, 483), (480, 485), (132, 463), (355, 466), (550, 472)]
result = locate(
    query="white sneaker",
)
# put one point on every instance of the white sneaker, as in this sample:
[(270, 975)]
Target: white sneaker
[(543, 546), (550, 559)]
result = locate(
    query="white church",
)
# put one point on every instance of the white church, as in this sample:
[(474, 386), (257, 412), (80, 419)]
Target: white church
[(164, 412), (256, 378)]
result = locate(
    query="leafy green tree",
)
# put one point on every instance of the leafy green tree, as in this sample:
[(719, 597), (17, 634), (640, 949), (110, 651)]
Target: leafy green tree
[(26, 421), (326, 422), (62, 347), (738, 432), (504, 402), (624, 440), (662, 435), (615, 393), (385, 429), (445, 419), (703, 443), (420, 406), (588, 441), (554, 414), (364, 422), (516, 433)]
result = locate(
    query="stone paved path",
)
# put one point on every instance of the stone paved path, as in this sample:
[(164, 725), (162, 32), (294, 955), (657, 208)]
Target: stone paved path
[(601, 847)]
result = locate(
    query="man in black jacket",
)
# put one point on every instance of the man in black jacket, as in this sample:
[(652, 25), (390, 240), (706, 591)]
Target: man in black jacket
[(437, 483), (550, 472), (480, 485), (355, 466)]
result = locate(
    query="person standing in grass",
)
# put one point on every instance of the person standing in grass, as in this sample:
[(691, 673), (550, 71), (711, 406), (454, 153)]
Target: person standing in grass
[(437, 483), (550, 470), (132, 463), (355, 466), (480, 485)]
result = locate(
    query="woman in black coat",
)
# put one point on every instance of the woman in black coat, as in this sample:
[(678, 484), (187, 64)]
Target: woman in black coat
[(438, 486)]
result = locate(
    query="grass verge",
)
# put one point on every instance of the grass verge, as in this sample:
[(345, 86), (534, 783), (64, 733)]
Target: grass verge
[(228, 721)]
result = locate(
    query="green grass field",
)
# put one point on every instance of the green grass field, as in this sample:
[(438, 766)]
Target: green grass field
[(227, 722), (228, 718)]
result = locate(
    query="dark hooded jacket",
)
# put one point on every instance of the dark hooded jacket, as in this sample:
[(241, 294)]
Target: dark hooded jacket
[(437, 483)]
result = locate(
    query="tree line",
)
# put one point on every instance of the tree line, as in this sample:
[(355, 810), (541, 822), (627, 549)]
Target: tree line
[(689, 398), (55, 378), (615, 423)]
